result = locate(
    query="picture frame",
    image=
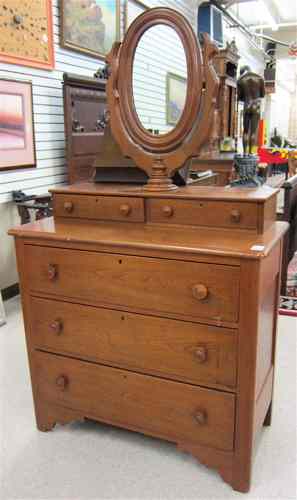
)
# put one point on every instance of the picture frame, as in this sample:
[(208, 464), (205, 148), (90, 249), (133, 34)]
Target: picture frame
[(26, 34), (133, 9), (17, 141), (89, 16), (176, 90)]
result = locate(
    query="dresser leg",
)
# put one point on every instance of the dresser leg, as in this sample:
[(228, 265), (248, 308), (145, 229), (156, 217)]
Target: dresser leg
[(241, 480), (267, 420), (235, 472), (221, 461), (47, 416)]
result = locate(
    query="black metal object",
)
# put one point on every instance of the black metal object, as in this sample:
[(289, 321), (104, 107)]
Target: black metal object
[(41, 204), (246, 167)]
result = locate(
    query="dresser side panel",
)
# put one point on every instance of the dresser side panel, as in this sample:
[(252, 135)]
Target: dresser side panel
[(267, 319)]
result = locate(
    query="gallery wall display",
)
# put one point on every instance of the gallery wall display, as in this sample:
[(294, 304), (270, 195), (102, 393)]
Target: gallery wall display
[(17, 147), (26, 33), (175, 97), (133, 9), (90, 26)]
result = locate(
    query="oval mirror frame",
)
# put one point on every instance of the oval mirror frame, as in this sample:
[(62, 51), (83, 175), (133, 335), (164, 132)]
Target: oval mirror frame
[(161, 155)]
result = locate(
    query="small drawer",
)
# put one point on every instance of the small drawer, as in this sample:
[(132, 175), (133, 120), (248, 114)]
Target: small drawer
[(113, 208), (179, 412), (180, 289), (203, 213), (179, 350)]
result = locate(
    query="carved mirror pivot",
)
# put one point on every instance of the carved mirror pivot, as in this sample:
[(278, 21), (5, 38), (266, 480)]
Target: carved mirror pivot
[(132, 119)]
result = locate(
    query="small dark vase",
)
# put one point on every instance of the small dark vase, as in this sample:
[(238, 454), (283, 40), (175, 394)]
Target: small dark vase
[(246, 167)]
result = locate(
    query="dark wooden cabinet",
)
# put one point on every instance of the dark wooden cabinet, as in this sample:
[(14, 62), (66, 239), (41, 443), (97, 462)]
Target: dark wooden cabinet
[(84, 108), (225, 119), (226, 66)]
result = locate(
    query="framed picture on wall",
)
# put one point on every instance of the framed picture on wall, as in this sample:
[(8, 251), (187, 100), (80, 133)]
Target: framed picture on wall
[(176, 93), (17, 146), (133, 9), (90, 26), (26, 33)]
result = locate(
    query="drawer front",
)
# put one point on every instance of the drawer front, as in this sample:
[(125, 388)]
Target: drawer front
[(179, 412), (185, 289), (203, 213), (175, 349), (99, 207)]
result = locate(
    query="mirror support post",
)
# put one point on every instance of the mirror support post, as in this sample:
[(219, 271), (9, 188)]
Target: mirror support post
[(159, 179)]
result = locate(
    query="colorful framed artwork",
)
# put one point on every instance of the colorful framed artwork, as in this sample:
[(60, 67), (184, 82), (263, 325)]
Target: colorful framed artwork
[(175, 97), (133, 9), (90, 26), (17, 146), (26, 33)]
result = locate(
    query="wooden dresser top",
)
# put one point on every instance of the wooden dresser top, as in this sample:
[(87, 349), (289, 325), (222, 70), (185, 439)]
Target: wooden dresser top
[(192, 192), (154, 237)]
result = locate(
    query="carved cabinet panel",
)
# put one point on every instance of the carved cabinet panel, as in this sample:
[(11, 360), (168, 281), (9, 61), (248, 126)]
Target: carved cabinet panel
[(85, 112)]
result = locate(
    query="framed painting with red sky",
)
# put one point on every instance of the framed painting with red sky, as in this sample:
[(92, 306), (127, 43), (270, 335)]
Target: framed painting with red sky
[(17, 145)]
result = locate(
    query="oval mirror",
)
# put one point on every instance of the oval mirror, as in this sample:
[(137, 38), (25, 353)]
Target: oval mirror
[(161, 93), (159, 79)]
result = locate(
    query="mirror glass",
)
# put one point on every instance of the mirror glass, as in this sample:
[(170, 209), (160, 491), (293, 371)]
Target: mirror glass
[(159, 79)]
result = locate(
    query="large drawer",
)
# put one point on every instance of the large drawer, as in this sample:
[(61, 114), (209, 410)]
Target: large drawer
[(174, 349), (113, 208), (203, 213), (186, 289), (176, 411)]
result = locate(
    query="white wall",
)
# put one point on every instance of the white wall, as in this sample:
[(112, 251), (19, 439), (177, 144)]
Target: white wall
[(281, 106), (150, 69), (49, 130), (284, 100), (280, 111)]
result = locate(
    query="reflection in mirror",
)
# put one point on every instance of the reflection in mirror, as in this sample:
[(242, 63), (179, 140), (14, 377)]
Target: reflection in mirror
[(159, 79)]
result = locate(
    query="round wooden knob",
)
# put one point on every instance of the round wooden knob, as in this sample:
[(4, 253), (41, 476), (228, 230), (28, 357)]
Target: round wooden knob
[(68, 206), (167, 211), (125, 209), (200, 292), (62, 382), (52, 272), (17, 19), (201, 354), (57, 326), (201, 417), (235, 216)]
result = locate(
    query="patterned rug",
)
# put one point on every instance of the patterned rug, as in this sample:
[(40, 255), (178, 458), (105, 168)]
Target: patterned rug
[(292, 278), (288, 304)]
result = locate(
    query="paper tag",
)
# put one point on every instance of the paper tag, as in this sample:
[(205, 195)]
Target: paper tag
[(257, 248)]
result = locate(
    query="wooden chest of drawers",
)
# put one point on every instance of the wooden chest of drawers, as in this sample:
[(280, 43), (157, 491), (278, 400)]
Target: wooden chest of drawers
[(160, 317)]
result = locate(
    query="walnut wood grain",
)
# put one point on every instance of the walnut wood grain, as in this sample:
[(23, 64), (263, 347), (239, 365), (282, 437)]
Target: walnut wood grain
[(172, 349), (216, 249), (149, 239), (181, 412), (154, 285), (204, 213), (191, 192), (99, 208)]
